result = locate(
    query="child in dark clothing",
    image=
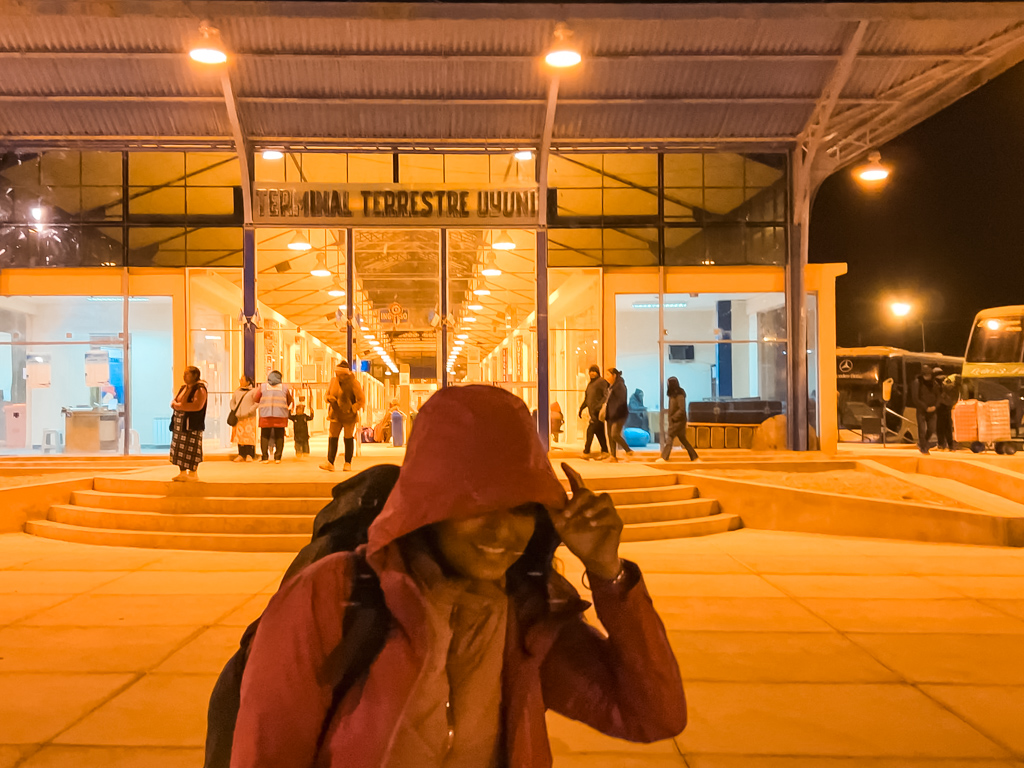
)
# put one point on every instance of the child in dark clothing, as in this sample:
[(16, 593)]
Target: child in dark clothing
[(300, 419)]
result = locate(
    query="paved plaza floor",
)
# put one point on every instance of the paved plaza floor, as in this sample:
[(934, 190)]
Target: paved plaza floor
[(798, 651)]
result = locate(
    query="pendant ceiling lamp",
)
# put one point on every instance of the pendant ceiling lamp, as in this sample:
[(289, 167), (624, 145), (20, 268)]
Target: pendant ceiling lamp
[(336, 289), (320, 270), (208, 49), (503, 242), (490, 267), (873, 171), (563, 52), (299, 242)]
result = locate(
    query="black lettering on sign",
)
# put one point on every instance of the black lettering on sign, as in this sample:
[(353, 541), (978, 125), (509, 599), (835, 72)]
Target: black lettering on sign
[(452, 203), (366, 202), (402, 204), (464, 205), (378, 197), (389, 203), (428, 205), (413, 200), (495, 203), (275, 202)]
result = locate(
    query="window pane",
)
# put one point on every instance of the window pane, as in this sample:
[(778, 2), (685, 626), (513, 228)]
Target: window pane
[(156, 169)]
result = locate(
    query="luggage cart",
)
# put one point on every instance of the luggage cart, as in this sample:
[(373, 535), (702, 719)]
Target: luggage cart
[(983, 424)]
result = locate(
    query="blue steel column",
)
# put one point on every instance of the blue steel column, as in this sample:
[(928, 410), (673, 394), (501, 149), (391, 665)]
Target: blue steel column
[(249, 300), (543, 398), (444, 307), (350, 289)]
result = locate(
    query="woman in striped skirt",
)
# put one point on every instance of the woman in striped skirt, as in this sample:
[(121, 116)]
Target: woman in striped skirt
[(187, 424)]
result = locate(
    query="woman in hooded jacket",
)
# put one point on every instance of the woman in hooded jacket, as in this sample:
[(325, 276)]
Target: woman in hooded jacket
[(676, 421), (484, 635)]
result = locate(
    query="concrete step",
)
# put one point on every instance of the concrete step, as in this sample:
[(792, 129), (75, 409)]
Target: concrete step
[(681, 529), (210, 505), (217, 542), (653, 495), (87, 517), (271, 489), (629, 482), (665, 511)]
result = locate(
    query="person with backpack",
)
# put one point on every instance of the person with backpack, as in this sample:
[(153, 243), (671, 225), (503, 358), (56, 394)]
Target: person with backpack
[(344, 401), (616, 412), (245, 409), (593, 399), (479, 635), (187, 424), (275, 401), (676, 422)]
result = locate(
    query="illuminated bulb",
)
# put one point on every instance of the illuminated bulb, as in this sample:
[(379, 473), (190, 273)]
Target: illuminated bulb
[(563, 53), (469, 319), (320, 270), (503, 242), (208, 49), (873, 170), (481, 292), (462, 336), (37, 214), (523, 155), (272, 154), (993, 325), (299, 242), (475, 307), (336, 289)]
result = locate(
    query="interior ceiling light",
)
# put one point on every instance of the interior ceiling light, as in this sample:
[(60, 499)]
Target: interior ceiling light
[(37, 213), (336, 289), (469, 319), (491, 267), (272, 154), (462, 336), (208, 49), (524, 154), (503, 242), (481, 292), (475, 307), (299, 242), (563, 53), (320, 270), (873, 170)]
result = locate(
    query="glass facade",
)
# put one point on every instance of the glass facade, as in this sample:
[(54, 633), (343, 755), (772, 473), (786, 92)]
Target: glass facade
[(428, 305)]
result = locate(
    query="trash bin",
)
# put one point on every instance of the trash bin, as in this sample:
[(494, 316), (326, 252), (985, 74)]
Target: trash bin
[(397, 429), (16, 420)]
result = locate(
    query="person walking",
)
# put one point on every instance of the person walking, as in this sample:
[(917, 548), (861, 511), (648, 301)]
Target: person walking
[(616, 412), (243, 434), (300, 428), (557, 421), (344, 401), (275, 400), (676, 421), (483, 634), (593, 399), (924, 394), (187, 425), (948, 397)]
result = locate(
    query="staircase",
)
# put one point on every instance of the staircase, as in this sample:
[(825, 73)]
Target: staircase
[(265, 517)]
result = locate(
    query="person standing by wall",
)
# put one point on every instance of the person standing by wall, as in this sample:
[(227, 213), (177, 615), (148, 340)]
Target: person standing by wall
[(244, 406), (344, 401), (187, 425), (924, 394), (676, 421), (616, 412), (593, 399), (948, 397), (275, 401)]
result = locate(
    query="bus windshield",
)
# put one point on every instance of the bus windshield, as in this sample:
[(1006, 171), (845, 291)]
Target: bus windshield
[(996, 340)]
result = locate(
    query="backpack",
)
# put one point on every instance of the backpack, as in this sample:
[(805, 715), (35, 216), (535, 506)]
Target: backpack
[(341, 526)]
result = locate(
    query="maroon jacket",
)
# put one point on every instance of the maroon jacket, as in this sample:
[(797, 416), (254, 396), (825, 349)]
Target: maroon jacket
[(474, 449)]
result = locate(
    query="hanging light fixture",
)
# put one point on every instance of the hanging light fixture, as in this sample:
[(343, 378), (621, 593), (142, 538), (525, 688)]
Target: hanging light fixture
[(299, 242), (503, 242), (873, 172), (563, 52), (320, 270), (481, 292), (208, 49), (475, 307), (524, 155), (272, 154), (336, 289), (490, 266)]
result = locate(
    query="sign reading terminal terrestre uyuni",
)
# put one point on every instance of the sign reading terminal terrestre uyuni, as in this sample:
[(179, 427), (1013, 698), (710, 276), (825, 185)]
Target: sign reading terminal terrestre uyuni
[(439, 205)]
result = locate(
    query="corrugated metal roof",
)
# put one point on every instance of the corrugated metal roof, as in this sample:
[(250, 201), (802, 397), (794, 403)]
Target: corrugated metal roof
[(691, 72)]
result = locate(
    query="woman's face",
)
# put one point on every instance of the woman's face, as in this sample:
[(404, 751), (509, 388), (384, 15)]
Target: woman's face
[(242, 383), (486, 546), (609, 377), (190, 377)]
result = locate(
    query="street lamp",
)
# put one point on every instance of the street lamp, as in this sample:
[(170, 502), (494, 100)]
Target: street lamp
[(902, 310), (872, 173)]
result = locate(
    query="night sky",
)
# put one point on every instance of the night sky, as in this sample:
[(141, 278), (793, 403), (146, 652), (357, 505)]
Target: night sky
[(947, 231)]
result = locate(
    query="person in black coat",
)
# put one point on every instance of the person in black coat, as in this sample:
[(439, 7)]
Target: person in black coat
[(593, 399), (616, 412), (926, 393), (676, 421)]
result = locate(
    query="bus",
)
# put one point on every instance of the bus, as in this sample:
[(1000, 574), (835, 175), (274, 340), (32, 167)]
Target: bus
[(873, 381), (994, 361)]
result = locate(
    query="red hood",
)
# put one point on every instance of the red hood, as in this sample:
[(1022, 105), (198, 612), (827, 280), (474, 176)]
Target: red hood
[(473, 450)]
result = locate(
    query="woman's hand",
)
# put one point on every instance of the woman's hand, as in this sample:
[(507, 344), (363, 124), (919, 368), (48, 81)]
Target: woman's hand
[(590, 527)]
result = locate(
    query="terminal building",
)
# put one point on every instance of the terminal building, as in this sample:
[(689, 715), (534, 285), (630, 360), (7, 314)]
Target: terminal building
[(413, 188)]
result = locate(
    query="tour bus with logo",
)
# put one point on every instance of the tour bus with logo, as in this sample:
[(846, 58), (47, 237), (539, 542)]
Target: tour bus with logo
[(994, 361), (874, 386)]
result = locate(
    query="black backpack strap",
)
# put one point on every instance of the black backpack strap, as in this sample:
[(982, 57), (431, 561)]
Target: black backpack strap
[(364, 632)]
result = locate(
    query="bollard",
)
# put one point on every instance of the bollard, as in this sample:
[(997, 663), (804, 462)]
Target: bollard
[(397, 429)]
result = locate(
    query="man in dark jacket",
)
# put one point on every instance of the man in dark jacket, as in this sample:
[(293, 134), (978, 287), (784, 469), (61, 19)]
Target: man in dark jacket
[(596, 394), (948, 397), (925, 395)]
